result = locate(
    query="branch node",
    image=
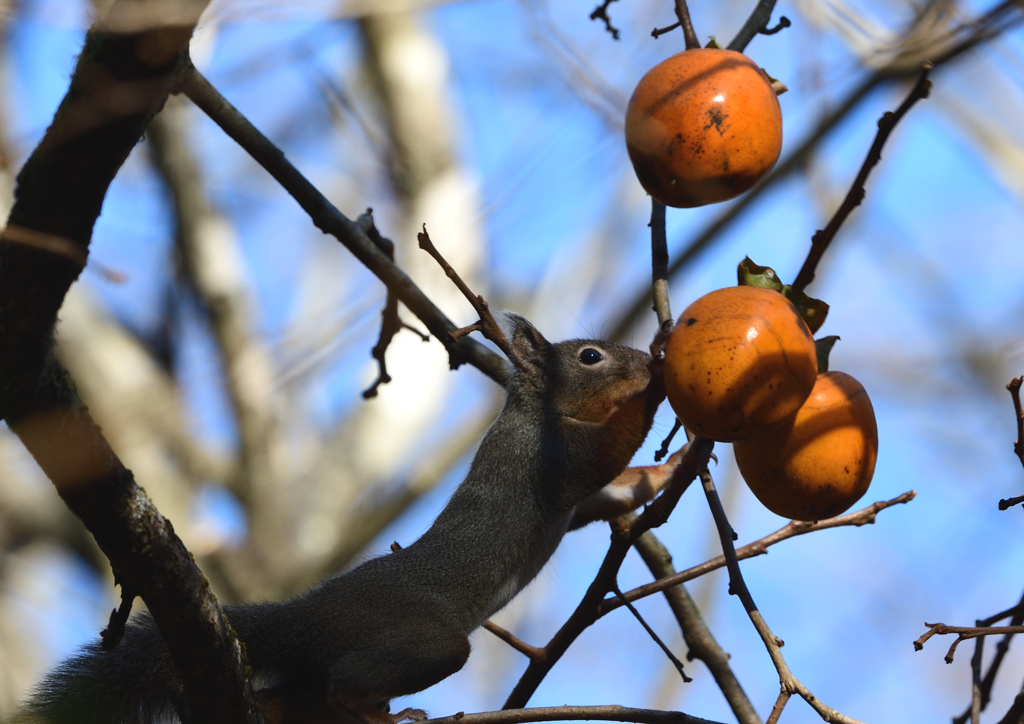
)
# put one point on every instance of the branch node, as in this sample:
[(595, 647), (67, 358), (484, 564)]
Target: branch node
[(601, 13), (783, 23)]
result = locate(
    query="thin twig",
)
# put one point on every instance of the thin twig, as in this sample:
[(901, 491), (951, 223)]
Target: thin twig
[(864, 516), (651, 632), (976, 680), (1016, 615), (782, 24), (1007, 503), (823, 238), (1015, 712), (699, 640), (963, 634), (657, 32), (531, 652), (780, 704), (57, 245), (788, 683), (601, 12), (663, 450), (487, 325), (111, 636), (573, 713)]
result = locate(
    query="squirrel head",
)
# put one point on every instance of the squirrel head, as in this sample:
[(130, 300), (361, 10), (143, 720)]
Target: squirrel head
[(603, 395)]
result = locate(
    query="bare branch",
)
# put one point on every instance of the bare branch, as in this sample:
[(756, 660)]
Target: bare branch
[(487, 325), (531, 652), (755, 24), (650, 632), (328, 219), (788, 683), (963, 634), (132, 56), (683, 13), (699, 640), (573, 713), (864, 516), (822, 239)]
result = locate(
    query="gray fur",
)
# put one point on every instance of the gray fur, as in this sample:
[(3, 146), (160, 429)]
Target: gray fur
[(399, 623)]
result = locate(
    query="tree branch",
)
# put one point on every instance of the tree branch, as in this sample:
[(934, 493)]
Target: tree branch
[(588, 610), (864, 516), (788, 683), (127, 66), (699, 640), (822, 239), (328, 219), (683, 13), (756, 23), (573, 713), (963, 634)]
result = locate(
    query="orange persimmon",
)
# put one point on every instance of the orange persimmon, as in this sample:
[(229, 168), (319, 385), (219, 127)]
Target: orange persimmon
[(703, 126), (739, 362), (820, 463)]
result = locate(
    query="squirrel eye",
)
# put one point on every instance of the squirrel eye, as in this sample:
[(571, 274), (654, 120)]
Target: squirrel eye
[(590, 356)]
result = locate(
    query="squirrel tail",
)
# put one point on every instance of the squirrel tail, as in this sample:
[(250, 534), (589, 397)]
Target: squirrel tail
[(135, 683)]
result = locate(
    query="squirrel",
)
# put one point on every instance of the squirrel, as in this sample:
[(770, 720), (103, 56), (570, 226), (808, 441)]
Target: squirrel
[(554, 460)]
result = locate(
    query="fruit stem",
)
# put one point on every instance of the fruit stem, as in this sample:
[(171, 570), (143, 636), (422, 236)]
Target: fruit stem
[(683, 13)]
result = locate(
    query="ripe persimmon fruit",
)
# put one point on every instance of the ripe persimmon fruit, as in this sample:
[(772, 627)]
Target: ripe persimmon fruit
[(820, 463), (703, 126), (740, 361)]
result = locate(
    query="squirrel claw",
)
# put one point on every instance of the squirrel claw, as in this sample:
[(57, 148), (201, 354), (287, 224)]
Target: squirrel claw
[(407, 713)]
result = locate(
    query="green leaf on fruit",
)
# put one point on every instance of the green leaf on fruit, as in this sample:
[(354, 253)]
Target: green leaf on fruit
[(813, 311), (713, 44), (823, 347), (750, 274)]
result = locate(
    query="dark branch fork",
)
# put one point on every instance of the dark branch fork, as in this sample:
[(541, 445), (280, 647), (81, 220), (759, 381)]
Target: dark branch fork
[(331, 221)]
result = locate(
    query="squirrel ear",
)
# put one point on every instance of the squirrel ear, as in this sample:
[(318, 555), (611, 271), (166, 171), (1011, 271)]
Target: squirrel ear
[(529, 348)]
